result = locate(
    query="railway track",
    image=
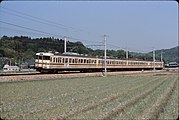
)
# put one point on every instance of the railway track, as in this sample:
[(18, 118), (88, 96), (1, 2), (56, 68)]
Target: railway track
[(18, 73), (32, 73)]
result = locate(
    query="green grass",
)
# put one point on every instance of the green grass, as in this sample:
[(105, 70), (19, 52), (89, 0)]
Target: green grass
[(87, 98)]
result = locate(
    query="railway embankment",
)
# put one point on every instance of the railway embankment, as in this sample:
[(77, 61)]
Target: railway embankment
[(27, 77)]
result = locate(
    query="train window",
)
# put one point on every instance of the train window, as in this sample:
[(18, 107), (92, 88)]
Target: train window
[(92, 61), (76, 60), (70, 60), (79, 60), (89, 60), (62, 60), (40, 57), (53, 59), (46, 57), (84, 60), (50, 59), (66, 60)]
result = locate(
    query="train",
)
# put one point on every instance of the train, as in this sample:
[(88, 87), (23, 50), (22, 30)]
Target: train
[(46, 62)]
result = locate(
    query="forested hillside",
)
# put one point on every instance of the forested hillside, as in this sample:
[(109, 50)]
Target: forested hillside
[(170, 55), (25, 47), (22, 48)]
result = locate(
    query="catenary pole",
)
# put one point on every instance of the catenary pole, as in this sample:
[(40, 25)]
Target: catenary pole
[(154, 58), (105, 65), (127, 54), (65, 42), (161, 56)]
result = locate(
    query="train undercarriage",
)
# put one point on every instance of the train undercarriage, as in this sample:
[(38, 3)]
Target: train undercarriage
[(85, 70)]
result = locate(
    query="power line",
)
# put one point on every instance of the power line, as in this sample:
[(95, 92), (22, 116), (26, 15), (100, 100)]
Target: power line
[(22, 31), (51, 23), (42, 32), (29, 28), (40, 20), (32, 19), (124, 48)]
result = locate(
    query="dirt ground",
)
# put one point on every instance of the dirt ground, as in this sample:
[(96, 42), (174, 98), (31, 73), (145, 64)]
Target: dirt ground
[(74, 75)]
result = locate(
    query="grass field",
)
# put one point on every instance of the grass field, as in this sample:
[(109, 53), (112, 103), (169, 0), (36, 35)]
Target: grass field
[(112, 97)]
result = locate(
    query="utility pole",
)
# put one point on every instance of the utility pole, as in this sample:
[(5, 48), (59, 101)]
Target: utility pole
[(161, 56), (65, 44), (127, 56), (105, 65), (154, 58)]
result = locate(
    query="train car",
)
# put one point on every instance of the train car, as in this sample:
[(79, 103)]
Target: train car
[(53, 63)]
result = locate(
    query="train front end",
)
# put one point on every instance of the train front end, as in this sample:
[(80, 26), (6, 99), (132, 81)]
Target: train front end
[(42, 61)]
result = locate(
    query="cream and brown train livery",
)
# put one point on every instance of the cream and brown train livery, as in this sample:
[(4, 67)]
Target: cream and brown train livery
[(53, 63)]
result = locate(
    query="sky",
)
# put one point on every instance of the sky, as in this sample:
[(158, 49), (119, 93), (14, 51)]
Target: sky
[(138, 26)]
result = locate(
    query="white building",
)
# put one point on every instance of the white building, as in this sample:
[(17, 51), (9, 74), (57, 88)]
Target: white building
[(8, 68)]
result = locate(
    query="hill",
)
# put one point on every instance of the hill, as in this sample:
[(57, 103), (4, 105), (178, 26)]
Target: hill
[(169, 55)]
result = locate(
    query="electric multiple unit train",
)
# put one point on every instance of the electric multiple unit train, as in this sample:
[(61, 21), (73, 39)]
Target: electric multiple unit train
[(54, 63)]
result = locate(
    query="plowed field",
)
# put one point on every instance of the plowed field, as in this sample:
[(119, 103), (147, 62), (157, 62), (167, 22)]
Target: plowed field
[(112, 97)]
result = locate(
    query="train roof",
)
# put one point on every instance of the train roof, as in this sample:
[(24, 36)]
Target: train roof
[(44, 53), (71, 54)]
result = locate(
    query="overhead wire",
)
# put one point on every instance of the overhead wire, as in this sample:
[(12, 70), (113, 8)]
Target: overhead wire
[(46, 21), (40, 20), (52, 24), (127, 49), (21, 31), (42, 32), (28, 28)]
